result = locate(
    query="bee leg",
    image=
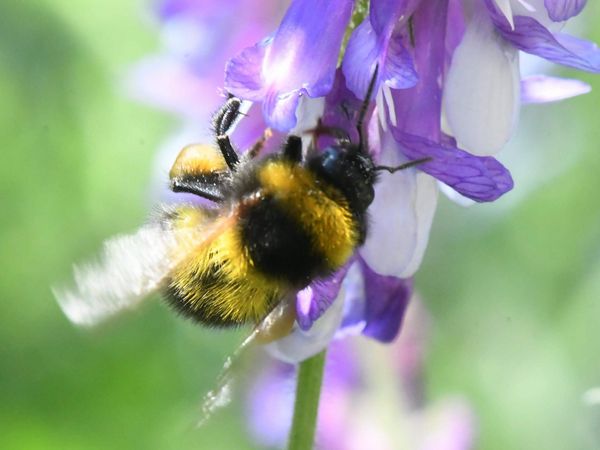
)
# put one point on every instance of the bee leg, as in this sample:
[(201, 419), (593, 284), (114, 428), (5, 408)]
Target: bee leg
[(200, 186), (292, 149), (259, 145), (222, 122), (231, 157)]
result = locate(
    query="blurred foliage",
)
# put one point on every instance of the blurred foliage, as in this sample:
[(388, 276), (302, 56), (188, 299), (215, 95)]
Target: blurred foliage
[(513, 287)]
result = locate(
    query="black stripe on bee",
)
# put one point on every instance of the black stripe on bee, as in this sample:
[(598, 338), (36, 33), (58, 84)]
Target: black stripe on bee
[(278, 244)]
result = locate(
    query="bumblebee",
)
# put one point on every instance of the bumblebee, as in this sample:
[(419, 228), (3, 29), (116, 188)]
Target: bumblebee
[(278, 223)]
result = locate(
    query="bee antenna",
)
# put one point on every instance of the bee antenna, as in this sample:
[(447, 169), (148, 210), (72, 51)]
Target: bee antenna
[(363, 110), (406, 165)]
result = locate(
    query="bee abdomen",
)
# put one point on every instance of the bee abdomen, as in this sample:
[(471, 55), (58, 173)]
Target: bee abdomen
[(216, 300), (278, 244)]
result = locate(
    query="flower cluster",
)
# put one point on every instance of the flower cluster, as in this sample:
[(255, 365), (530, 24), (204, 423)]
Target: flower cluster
[(448, 88), (355, 394)]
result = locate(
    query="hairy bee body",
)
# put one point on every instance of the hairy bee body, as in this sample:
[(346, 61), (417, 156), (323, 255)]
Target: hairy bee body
[(280, 226), (276, 224)]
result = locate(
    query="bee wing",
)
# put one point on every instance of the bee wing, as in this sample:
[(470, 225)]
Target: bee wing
[(133, 266), (129, 268)]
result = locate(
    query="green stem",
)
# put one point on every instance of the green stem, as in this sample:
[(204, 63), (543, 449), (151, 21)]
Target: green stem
[(359, 12), (308, 391)]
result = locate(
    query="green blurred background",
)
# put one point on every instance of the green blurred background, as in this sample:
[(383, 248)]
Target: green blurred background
[(513, 287)]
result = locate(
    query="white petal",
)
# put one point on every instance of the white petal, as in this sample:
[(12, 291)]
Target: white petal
[(481, 94), (308, 113), (425, 206), (389, 101), (401, 217), (505, 8), (455, 196), (355, 303), (300, 345), (543, 89), (537, 10)]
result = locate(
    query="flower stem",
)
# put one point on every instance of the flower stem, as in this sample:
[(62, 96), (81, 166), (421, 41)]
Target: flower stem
[(308, 391), (359, 12)]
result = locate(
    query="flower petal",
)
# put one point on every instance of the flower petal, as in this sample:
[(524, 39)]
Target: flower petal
[(243, 72), (299, 60), (386, 302), (384, 14), (561, 10), (425, 207), (367, 50), (313, 301), (306, 46), (398, 70), (481, 178), (401, 216), (361, 58), (481, 94), (300, 344), (505, 8), (353, 321), (532, 37), (280, 110), (544, 89), (341, 110), (417, 110)]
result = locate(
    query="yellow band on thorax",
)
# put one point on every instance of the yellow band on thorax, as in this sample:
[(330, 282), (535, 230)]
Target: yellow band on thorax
[(320, 209)]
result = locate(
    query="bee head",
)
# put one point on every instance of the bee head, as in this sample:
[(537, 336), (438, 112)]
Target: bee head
[(349, 170)]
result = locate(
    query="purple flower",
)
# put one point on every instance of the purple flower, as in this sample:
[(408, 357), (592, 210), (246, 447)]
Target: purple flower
[(354, 301), (357, 381), (482, 91), (448, 89), (378, 42), (299, 59)]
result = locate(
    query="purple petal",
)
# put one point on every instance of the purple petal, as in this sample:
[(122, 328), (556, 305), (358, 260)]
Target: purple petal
[(418, 109), (456, 26), (341, 110), (280, 110), (315, 299), (561, 10), (398, 69), (367, 50), (383, 14), (353, 321), (386, 301), (481, 178), (544, 89), (243, 72), (300, 59), (306, 46), (532, 37), (301, 344), (361, 58)]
